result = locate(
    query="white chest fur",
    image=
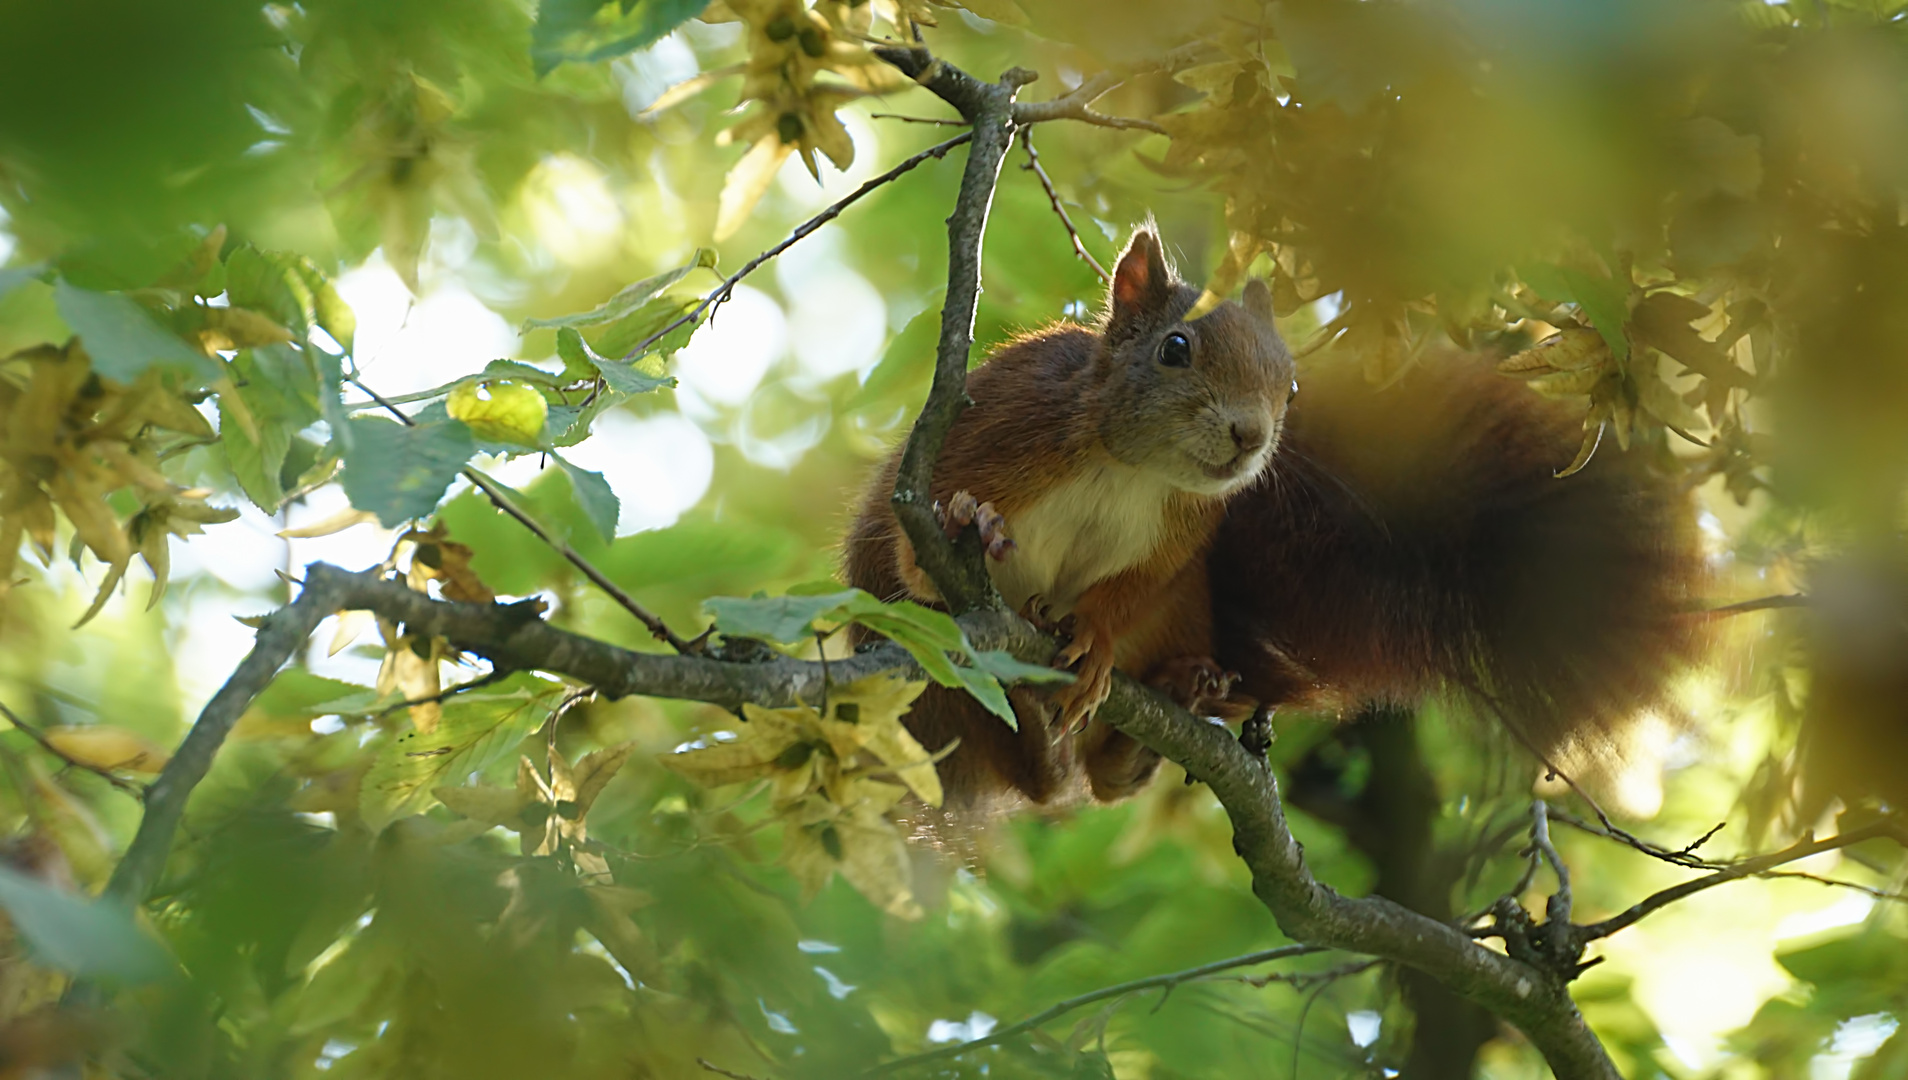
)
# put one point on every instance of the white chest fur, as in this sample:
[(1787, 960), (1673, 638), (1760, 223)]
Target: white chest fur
[(1082, 532)]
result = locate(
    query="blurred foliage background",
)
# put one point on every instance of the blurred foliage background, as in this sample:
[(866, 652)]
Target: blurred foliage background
[(220, 222)]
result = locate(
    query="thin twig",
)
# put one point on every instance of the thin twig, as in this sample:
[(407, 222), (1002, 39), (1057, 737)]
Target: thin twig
[(1879, 894), (942, 121), (137, 791), (1053, 197), (1167, 981), (721, 292), (1685, 857), (1761, 603), (720, 1071), (494, 675), (502, 501), (1077, 104), (1751, 867)]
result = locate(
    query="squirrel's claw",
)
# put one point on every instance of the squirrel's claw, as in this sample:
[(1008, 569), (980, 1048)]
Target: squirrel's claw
[(1198, 684), (1093, 680), (963, 510)]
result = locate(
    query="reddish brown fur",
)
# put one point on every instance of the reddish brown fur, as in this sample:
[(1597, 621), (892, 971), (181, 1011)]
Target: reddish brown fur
[(1049, 408), (1416, 539), (1404, 541)]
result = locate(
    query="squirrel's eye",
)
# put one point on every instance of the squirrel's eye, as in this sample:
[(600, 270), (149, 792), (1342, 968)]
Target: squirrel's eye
[(1176, 350), (1289, 397)]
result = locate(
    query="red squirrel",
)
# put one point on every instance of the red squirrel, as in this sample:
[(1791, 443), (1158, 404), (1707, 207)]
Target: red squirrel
[(1142, 479)]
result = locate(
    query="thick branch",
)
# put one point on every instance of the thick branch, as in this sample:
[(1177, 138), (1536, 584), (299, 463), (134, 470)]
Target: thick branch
[(1538, 1004), (988, 107), (502, 501), (280, 636)]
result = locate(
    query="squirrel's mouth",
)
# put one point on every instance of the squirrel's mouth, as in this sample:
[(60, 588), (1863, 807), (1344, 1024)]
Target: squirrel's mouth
[(1239, 466)]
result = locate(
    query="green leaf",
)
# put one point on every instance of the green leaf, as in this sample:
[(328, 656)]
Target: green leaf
[(122, 338), (297, 694), (593, 494), (256, 465), (621, 337), (908, 363), (69, 933), (476, 730), (1003, 666), (634, 296), (580, 30), (781, 619), (622, 378), (928, 635), (399, 472), (291, 289)]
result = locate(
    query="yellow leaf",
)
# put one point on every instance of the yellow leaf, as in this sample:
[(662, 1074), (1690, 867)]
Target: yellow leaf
[(1576, 349), (880, 701), (747, 182), (486, 803), (336, 523), (596, 770), (500, 411), (107, 747)]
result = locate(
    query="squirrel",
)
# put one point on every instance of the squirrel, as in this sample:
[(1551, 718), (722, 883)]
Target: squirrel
[(1160, 486)]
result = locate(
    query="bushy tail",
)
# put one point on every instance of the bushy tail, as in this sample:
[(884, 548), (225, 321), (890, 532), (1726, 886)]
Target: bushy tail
[(1416, 538)]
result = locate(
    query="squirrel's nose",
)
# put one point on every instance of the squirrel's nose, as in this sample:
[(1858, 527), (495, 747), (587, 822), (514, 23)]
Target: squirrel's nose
[(1248, 436)]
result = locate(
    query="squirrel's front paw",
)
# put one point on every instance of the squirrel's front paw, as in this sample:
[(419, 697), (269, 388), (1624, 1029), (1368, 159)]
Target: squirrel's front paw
[(963, 510), (1093, 678), (1196, 683)]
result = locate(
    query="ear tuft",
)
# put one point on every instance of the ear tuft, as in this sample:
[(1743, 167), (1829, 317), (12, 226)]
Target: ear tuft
[(1258, 300), (1142, 282)]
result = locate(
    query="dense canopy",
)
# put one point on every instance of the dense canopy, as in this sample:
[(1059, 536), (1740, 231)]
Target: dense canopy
[(602, 311)]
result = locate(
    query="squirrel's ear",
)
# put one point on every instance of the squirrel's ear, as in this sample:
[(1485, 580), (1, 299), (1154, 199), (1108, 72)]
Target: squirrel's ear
[(1142, 282), (1258, 300)]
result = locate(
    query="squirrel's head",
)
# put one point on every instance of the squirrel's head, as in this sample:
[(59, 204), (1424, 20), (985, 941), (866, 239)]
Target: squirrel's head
[(1200, 402)]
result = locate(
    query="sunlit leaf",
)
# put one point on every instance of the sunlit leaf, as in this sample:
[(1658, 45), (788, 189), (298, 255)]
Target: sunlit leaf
[(399, 472)]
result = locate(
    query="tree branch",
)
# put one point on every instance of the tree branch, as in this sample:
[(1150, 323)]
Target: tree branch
[(280, 636), (502, 501), (1046, 182), (988, 107), (1737, 871), (1077, 104), (722, 292), (46, 744), (1537, 1002), (1058, 1009)]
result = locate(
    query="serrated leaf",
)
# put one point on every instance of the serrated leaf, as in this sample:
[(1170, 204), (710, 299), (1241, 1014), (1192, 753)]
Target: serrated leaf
[(593, 494), (499, 411), (630, 298), (122, 338), (627, 379), (781, 619), (399, 472), (475, 730)]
